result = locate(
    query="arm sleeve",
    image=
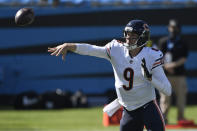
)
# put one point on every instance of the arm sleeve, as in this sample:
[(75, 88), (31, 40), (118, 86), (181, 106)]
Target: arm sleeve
[(92, 50), (160, 81)]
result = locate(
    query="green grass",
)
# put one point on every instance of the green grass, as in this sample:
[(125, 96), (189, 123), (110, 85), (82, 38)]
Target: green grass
[(89, 119), (67, 119), (190, 113)]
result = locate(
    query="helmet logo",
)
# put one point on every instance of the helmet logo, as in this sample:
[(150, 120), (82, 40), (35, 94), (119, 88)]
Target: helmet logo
[(146, 27)]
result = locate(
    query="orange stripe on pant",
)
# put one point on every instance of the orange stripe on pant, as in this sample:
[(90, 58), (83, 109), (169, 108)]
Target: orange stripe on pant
[(160, 113)]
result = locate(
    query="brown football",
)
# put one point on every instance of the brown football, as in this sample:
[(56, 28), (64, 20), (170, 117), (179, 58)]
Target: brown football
[(24, 16)]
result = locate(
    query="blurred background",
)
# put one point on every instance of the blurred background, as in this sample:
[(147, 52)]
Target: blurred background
[(32, 79)]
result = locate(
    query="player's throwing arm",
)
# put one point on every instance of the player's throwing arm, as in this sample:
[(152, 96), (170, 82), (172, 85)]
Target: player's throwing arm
[(62, 49)]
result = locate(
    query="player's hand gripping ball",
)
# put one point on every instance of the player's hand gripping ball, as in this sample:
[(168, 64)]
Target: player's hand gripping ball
[(24, 17)]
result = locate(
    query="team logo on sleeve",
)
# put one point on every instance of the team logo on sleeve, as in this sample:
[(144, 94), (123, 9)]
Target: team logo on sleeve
[(108, 52)]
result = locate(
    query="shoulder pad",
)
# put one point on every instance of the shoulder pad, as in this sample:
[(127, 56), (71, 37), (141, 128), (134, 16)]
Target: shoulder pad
[(155, 53)]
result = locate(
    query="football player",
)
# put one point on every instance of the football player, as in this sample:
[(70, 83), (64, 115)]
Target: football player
[(137, 70)]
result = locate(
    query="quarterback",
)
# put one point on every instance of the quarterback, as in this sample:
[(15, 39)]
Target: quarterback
[(138, 71)]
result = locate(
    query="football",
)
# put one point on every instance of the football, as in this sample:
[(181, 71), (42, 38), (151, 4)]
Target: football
[(24, 17)]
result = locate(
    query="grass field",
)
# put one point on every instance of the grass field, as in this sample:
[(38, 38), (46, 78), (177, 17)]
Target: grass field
[(89, 119)]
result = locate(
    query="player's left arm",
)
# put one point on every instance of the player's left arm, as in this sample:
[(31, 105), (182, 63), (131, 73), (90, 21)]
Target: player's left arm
[(160, 81), (156, 75), (158, 78)]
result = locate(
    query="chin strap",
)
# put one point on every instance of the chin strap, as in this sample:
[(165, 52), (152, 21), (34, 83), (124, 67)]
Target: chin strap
[(134, 46), (130, 47)]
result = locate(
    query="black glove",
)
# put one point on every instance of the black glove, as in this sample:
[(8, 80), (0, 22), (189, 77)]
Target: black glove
[(146, 72)]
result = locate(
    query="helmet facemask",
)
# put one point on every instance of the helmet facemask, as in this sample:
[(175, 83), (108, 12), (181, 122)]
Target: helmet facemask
[(143, 33)]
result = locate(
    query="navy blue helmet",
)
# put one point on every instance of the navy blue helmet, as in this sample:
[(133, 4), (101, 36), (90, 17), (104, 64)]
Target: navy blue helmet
[(141, 28)]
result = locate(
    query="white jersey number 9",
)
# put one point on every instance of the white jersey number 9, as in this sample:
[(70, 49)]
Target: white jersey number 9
[(128, 76)]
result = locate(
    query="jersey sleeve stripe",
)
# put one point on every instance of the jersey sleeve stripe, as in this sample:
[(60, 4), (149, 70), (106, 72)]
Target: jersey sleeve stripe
[(108, 53), (159, 59), (156, 63), (160, 113), (156, 66)]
